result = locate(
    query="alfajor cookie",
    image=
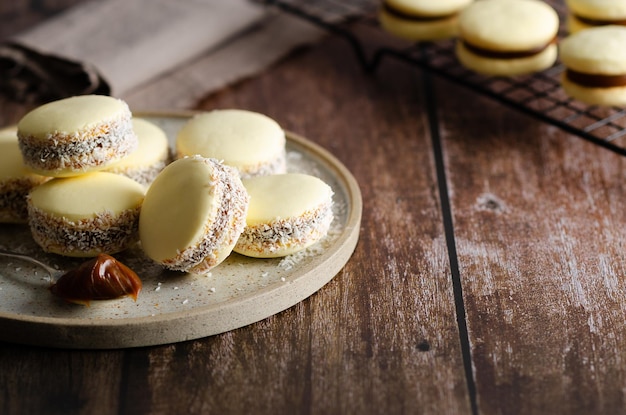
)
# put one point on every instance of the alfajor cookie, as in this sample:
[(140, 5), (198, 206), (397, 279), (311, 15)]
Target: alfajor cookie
[(86, 215), (193, 214), (150, 157), (16, 180), (76, 135), (421, 19), (287, 213), (585, 14), (595, 61), (507, 37), (251, 142)]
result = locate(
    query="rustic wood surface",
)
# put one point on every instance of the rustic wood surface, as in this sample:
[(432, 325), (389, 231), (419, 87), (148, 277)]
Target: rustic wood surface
[(488, 278)]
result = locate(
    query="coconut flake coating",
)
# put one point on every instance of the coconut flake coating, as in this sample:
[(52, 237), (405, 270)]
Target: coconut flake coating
[(193, 214), (220, 238), (104, 233), (287, 213), (16, 180), (13, 195), (277, 165), (85, 215), (285, 236), (142, 175), (150, 157), (76, 135)]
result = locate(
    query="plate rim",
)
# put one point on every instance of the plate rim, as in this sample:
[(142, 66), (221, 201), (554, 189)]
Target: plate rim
[(340, 252)]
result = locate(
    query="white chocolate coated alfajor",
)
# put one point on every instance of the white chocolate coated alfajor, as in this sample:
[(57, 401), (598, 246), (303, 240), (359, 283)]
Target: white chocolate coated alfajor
[(193, 214), (76, 135), (251, 142), (150, 157), (288, 213), (86, 215), (16, 180)]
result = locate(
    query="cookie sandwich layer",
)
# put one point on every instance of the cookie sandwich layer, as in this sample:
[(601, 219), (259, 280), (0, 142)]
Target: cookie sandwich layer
[(85, 215), (288, 213), (421, 19), (193, 214), (507, 37), (150, 157), (251, 142), (595, 61), (76, 135), (16, 180)]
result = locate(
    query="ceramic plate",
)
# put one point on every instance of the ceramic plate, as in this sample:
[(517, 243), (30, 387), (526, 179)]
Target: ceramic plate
[(174, 307)]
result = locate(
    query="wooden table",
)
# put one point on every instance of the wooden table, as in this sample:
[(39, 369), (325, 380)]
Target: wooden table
[(488, 279)]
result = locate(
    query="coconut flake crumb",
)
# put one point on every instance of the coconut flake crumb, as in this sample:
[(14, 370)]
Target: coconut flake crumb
[(212, 289), (185, 301)]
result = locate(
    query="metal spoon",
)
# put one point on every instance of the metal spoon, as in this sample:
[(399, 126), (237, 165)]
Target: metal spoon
[(52, 272)]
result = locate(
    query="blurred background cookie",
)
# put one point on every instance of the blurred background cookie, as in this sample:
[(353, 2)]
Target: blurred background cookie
[(595, 61), (421, 19), (584, 14), (507, 37)]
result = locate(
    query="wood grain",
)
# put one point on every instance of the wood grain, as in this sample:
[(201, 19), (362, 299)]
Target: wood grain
[(538, 229), (388, 320), (538, 222), (380, 338)]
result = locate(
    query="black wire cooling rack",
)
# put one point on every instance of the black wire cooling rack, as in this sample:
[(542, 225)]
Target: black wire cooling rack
[(539, 95)]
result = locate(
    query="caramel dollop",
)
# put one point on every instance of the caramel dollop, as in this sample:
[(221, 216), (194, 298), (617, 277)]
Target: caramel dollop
[(100, 278)]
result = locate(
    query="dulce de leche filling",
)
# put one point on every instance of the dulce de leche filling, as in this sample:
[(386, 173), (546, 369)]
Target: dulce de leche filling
[(600, 22), (503, 54), (414, 17), (595, 80)]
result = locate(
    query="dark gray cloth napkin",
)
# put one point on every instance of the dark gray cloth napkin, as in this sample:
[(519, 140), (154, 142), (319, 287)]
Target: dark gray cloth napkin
[(33, 77)]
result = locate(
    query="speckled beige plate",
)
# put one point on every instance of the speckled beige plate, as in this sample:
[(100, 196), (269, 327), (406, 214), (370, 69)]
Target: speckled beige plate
[(174, 307)]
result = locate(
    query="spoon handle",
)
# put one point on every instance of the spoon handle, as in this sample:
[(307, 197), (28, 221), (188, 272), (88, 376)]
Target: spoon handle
[(53, 272)]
